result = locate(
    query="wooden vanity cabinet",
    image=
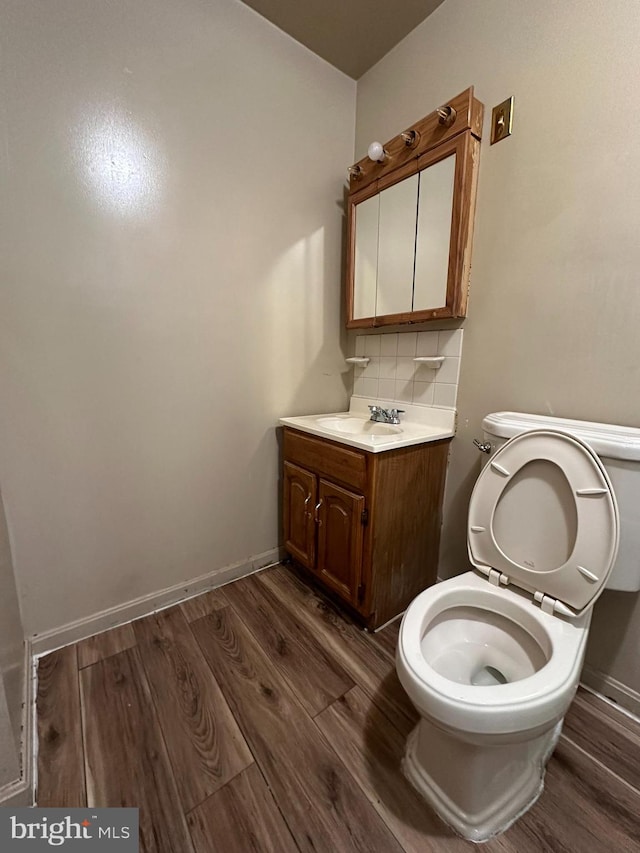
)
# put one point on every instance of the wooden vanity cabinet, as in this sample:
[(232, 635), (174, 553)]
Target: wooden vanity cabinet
[(365, 525)]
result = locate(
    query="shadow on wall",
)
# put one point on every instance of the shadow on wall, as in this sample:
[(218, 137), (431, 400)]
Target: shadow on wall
[(12, 673), (453, 549), (613, 617)]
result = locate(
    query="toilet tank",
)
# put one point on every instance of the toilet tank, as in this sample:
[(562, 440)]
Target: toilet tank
[(619, 450)]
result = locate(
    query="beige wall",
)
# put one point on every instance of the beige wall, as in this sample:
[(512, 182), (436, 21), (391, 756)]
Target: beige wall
[(172, 178), (554, 316)]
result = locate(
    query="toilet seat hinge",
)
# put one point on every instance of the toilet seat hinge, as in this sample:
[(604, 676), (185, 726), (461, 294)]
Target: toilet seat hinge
[(496, 578), (552, 605)]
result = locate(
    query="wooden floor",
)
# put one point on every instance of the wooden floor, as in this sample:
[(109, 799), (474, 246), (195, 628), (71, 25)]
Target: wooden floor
[(257, 718)]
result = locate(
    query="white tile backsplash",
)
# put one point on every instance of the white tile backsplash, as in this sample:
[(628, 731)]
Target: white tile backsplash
[(423, 392), (372, 369), (392, 374), (389, 345), (404, 391), (386, 389), (405, 367), (444, 395), (448, 372), (407, 343), (450, 342), (369, 387), (427, 343), (372, 345), (387, 367)]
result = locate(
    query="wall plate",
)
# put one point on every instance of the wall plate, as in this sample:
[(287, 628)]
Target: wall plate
[(502, 120)]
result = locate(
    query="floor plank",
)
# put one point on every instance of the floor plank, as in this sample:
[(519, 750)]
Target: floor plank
[(101, 646), (328, 783), (202, 605), (607, 734), (241, 818), (323, 808), (126, 759), (363, 660), (61, 780), (387, 637), (316, 678), (583, 808), (372, 750), (205, 745)]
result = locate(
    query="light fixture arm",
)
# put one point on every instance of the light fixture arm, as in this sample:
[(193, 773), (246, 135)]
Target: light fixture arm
[(446, 115), (410, 138)]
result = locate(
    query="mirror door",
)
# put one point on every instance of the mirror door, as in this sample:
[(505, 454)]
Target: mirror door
[(433, 234), (396, 247)]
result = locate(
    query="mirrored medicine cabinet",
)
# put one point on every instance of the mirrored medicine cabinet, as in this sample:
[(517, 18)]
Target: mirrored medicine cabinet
[(410, 221)]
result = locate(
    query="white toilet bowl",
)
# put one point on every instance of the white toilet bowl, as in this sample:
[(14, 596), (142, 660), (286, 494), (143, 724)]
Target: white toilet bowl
[(492, 659), (492, 676)]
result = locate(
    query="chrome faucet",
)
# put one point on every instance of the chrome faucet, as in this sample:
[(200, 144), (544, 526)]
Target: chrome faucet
[(385, 416)]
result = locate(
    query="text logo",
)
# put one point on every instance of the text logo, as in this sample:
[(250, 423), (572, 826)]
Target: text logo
[(25, 830)]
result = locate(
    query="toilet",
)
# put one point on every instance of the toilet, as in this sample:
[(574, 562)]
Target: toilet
[(491, 658)]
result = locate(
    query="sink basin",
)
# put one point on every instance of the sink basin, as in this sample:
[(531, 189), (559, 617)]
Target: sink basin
[(419, 424), (357, 426)]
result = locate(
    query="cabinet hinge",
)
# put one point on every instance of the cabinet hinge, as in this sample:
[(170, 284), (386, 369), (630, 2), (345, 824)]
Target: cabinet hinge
[(364, 516)]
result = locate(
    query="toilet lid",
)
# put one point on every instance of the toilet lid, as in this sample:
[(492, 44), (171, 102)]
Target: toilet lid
[(543, 516)]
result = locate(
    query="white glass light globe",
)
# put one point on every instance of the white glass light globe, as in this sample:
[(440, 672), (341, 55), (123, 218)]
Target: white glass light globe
[(375, 151)]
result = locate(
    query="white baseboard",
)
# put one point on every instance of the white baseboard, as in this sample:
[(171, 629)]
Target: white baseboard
[(621, 695), (48, 641), (21, 791)]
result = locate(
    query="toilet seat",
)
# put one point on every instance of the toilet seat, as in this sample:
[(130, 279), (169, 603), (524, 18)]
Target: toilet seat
[(543, 516), (517, 706)]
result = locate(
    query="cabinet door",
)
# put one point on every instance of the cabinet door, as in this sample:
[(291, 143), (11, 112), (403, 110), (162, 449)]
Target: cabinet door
[(299, 502), (340, 537)]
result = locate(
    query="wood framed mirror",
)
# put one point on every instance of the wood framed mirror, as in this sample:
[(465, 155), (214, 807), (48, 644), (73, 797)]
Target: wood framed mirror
[(410, 221)]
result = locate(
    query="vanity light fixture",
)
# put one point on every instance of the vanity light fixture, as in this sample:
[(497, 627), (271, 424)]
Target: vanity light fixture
[(377, 153), (446, 115), (410, 138), (355, 172)]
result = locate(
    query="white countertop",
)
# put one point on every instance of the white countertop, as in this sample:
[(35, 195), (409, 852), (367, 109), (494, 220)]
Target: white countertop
[(418, 425)]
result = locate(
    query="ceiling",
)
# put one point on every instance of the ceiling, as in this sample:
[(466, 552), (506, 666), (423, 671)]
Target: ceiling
[(350, 34)]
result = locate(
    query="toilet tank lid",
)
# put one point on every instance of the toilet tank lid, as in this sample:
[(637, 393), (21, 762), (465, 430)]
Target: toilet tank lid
[(609, 440)]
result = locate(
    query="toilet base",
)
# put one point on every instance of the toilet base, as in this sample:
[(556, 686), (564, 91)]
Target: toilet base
[(479, 786)]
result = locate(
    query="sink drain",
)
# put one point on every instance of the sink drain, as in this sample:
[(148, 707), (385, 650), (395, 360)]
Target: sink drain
[(487, 676)]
